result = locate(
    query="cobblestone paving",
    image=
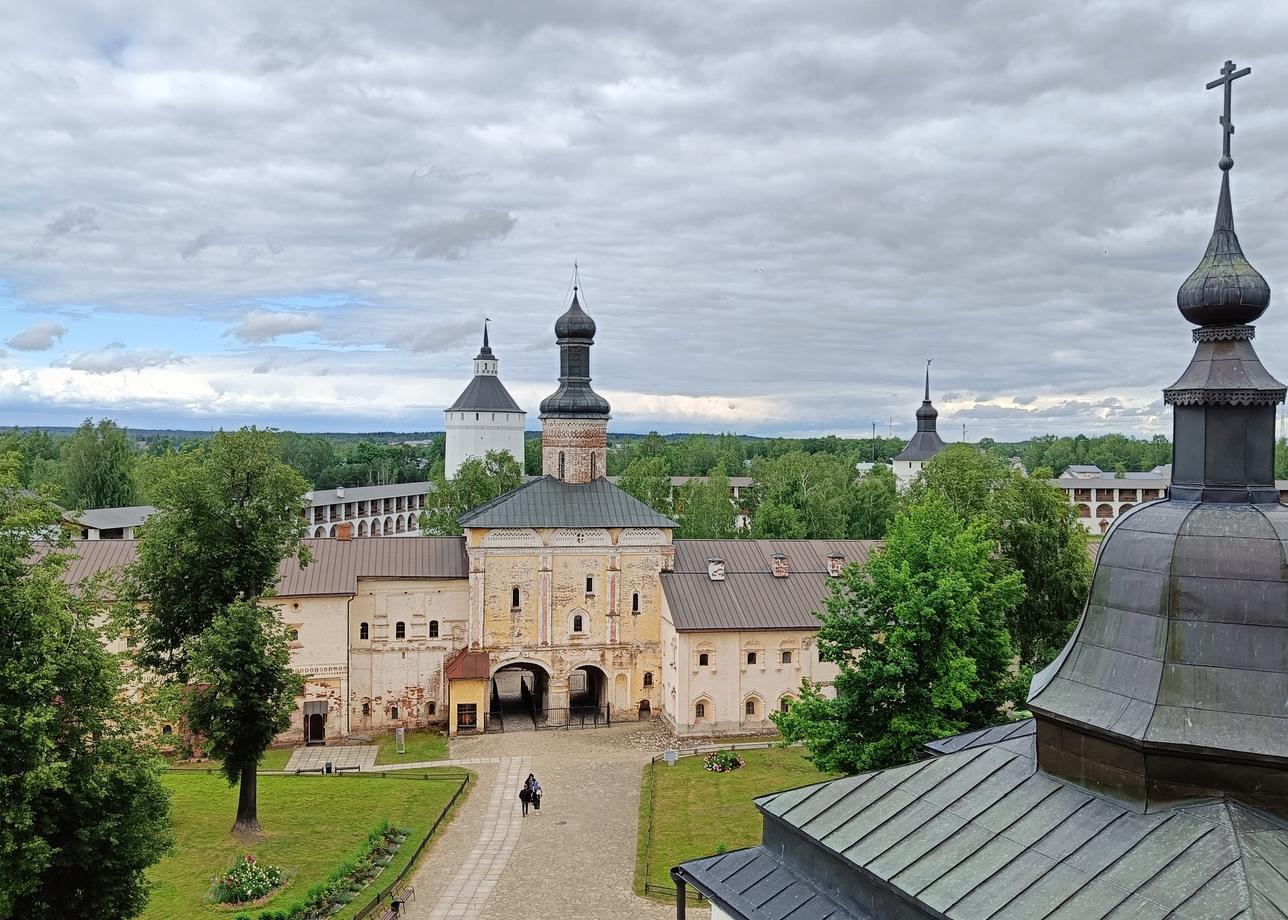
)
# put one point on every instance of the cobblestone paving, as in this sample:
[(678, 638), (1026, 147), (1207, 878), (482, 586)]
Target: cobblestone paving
[(576, 859), (361, 756)]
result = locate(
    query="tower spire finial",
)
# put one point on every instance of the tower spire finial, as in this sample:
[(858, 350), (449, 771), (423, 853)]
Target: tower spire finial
[(1224, 290), (928, 360), (485, 322)]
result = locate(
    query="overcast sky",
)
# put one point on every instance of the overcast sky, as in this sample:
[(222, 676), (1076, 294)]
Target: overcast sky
[(217, 213)]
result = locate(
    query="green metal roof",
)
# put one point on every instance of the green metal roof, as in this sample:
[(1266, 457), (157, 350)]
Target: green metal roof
[(550, 502)]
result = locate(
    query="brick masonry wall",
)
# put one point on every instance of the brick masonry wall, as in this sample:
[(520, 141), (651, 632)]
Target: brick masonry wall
[(583, 442)]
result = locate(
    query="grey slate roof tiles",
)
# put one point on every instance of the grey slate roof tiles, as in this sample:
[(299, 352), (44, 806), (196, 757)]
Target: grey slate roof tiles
[(755, 884), (750, 597), (485, 393), (981, 833), (550, 502)]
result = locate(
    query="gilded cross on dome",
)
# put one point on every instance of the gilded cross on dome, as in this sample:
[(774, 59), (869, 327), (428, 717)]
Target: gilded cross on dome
[(1228, 76)]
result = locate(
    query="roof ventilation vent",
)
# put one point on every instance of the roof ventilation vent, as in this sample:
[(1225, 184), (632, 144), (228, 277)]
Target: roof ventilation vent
[(716, 568)]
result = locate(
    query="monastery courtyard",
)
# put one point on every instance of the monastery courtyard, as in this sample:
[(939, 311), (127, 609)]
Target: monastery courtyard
[(576, 860)]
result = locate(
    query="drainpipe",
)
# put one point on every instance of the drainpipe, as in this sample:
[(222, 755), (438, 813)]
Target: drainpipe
[(348, 665)]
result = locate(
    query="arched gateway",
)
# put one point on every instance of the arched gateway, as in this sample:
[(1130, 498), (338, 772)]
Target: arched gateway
[(520, 695)]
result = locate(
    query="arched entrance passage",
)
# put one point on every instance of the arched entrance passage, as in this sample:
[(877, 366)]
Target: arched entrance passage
[(520, 696), (587, 693)]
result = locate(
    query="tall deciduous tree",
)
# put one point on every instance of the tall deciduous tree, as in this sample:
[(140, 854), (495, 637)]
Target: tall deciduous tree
[(476, 482), (705, 508), (98, 467), (83, 811), (227, 514), (920, 638), (243, 694), (1035, 528), (872, 504), (648, 480)]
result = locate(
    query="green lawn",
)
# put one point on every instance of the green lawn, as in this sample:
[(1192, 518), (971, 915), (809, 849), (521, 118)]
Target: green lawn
[(696, 812), (311, 823), (421, 745), (274, 759)]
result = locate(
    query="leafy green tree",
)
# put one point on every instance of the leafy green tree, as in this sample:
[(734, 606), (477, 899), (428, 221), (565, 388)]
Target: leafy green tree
[(775, 520), (477, 482), (920, 638), (532, 455), (816, 486), (309, 455), (98, 466), (872, 504), (228, 512), (1281, 458), (84, 810), (1036, 529), (243, 694), (705, 510), (648, 480)]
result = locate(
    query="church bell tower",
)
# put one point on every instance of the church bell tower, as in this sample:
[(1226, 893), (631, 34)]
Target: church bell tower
[(574, 418)]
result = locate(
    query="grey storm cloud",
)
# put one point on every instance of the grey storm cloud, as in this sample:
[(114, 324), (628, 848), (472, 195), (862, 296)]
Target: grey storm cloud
[(39, 337), (449, 239), (115, 357), (260, 326), (791, 202)]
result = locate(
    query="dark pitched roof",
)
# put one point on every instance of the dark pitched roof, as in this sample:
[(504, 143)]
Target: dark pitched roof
[(550, 502), (111, 518), (336, 567), (981, 833), (923, 446), (1015, 736), (753, 884), (485, 393), (750, 597)]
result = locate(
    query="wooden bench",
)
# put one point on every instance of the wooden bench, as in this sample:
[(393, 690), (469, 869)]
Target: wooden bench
[(397, 901)]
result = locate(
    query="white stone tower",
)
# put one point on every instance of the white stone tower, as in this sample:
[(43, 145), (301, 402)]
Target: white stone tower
[(484, 417)]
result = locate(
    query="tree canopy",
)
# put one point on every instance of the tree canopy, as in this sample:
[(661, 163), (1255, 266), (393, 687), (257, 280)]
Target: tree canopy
[(227, 514), (98, 467), (704, 509), (1036, 529), (648, 480), (477, 482), (84, 811), (920, 638)]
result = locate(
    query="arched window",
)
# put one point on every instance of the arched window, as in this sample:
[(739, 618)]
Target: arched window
[(635, 602), (593, 458), (514, 598), (393, 712), (433, 629), (561, 464), (400, 630), (366, 709), (577, 623), (751, 658), (431, 708), (364, 632), (787, 656), (750, 707), (648, 678), (703, 660), (785, 704), (700, 711)]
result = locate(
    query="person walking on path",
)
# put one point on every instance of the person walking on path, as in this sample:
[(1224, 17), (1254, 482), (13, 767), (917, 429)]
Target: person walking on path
[(535, 789), (525, 796)]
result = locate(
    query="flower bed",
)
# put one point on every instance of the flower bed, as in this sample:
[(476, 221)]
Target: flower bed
[(246, 881), (723, 762), (345, 881)]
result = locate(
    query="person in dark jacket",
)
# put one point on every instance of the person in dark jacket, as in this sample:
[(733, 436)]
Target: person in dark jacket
[(525, 796), (534, 787)]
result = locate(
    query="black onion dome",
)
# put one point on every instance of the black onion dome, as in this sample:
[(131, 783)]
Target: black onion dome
[(575, 323), (927, 410), (1225, 289)]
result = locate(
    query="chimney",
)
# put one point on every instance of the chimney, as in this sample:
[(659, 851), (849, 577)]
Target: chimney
[(835, 563), (344, 531), (715, 568), (339, 491), (668, 558), (778, 565)]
